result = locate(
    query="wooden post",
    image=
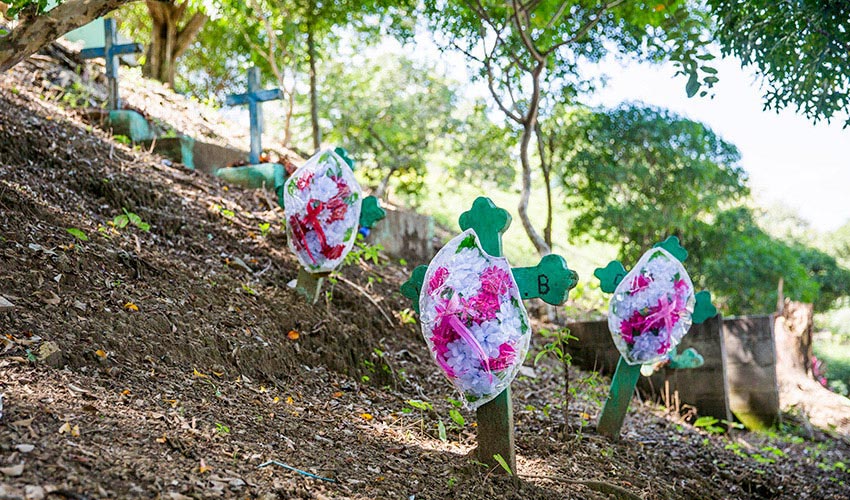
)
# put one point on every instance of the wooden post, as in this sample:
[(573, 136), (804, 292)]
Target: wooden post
[(310, 285), (496, 432), (622, 388)]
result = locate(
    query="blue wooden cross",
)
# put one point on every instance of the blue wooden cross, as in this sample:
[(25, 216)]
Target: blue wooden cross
[(253, 98), (110, 51)]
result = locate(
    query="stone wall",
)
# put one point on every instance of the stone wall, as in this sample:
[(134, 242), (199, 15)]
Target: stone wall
[(738, 377), (751, 370), (407, 235)]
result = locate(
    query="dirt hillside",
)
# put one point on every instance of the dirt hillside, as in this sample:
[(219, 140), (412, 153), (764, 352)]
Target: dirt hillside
[(173, 363)]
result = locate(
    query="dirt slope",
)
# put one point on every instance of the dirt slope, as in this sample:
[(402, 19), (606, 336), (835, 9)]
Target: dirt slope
[(184, 362)]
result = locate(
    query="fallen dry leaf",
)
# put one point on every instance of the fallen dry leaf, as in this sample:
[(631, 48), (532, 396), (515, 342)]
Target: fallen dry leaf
[(198, 374), (293, 335), (366, 416), (131, 307), (101, 353), (203, 468), (73, 431)]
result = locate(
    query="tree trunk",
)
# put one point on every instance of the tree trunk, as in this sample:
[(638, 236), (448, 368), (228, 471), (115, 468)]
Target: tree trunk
[(528, 128), (794, 339), (168, 41), (314, 98), (34, 33)]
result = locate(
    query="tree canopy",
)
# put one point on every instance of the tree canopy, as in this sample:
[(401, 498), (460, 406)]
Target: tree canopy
[(801, 48), (637, 173)]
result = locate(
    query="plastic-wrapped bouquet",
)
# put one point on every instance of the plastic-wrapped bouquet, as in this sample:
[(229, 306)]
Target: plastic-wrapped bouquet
[(473, 319), (651, 308), (323, 202)]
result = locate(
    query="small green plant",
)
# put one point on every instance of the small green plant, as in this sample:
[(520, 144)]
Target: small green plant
[(77, 233), (221, 428), (363, 250), (247, 289), (265, 229), (122, 139), (708, 423), (129, 218), (498, 458), (407, 317)]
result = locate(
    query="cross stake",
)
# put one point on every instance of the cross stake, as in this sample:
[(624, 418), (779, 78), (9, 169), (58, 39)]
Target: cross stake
[(253, 98), (551, 281), (626, 376), (110, 51)]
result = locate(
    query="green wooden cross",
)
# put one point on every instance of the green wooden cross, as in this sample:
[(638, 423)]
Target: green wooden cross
[(551, 281), (310, 284), (626, 376)]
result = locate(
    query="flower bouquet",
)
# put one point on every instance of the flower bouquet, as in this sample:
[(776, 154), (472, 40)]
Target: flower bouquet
[(651, 308), (323, 201), (473, 319)]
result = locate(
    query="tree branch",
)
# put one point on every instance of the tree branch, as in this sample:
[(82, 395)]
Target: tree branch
[(34, 33)]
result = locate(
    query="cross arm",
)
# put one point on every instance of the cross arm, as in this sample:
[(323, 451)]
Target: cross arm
[(259, 96), (703, 308), (550, 280), (412, 287), (610, 276)]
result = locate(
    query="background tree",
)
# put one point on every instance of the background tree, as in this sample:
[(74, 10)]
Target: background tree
[(801, 48), (636, 174), (168, 39), (742, 264), (388, 112), (528, 53)]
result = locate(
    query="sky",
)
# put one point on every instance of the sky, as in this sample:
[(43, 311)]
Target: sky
[(790, 160)]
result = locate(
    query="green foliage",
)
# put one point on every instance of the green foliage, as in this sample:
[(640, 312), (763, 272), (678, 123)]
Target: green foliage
[(129, 218), (363, 250), (29, 6), (77, 233), (557, 346), (800, 47), (501, 461), (638, 173), (390, 113), (743, 264), (709, 423)]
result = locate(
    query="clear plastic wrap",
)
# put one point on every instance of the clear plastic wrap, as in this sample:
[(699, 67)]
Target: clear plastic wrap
[(323, 201), (651, 308), (473, 319)]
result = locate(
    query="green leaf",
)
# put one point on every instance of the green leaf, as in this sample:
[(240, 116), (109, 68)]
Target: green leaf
[(441, 430), (693, 85), (76, 233), (468, 242), (498, 458), (120, 221), (457, 417)]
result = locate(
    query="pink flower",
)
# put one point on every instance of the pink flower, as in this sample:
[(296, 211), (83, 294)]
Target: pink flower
[(302, 182), (640, 282), (506, 357), (485, 306), (437, 279), (495, 280)]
